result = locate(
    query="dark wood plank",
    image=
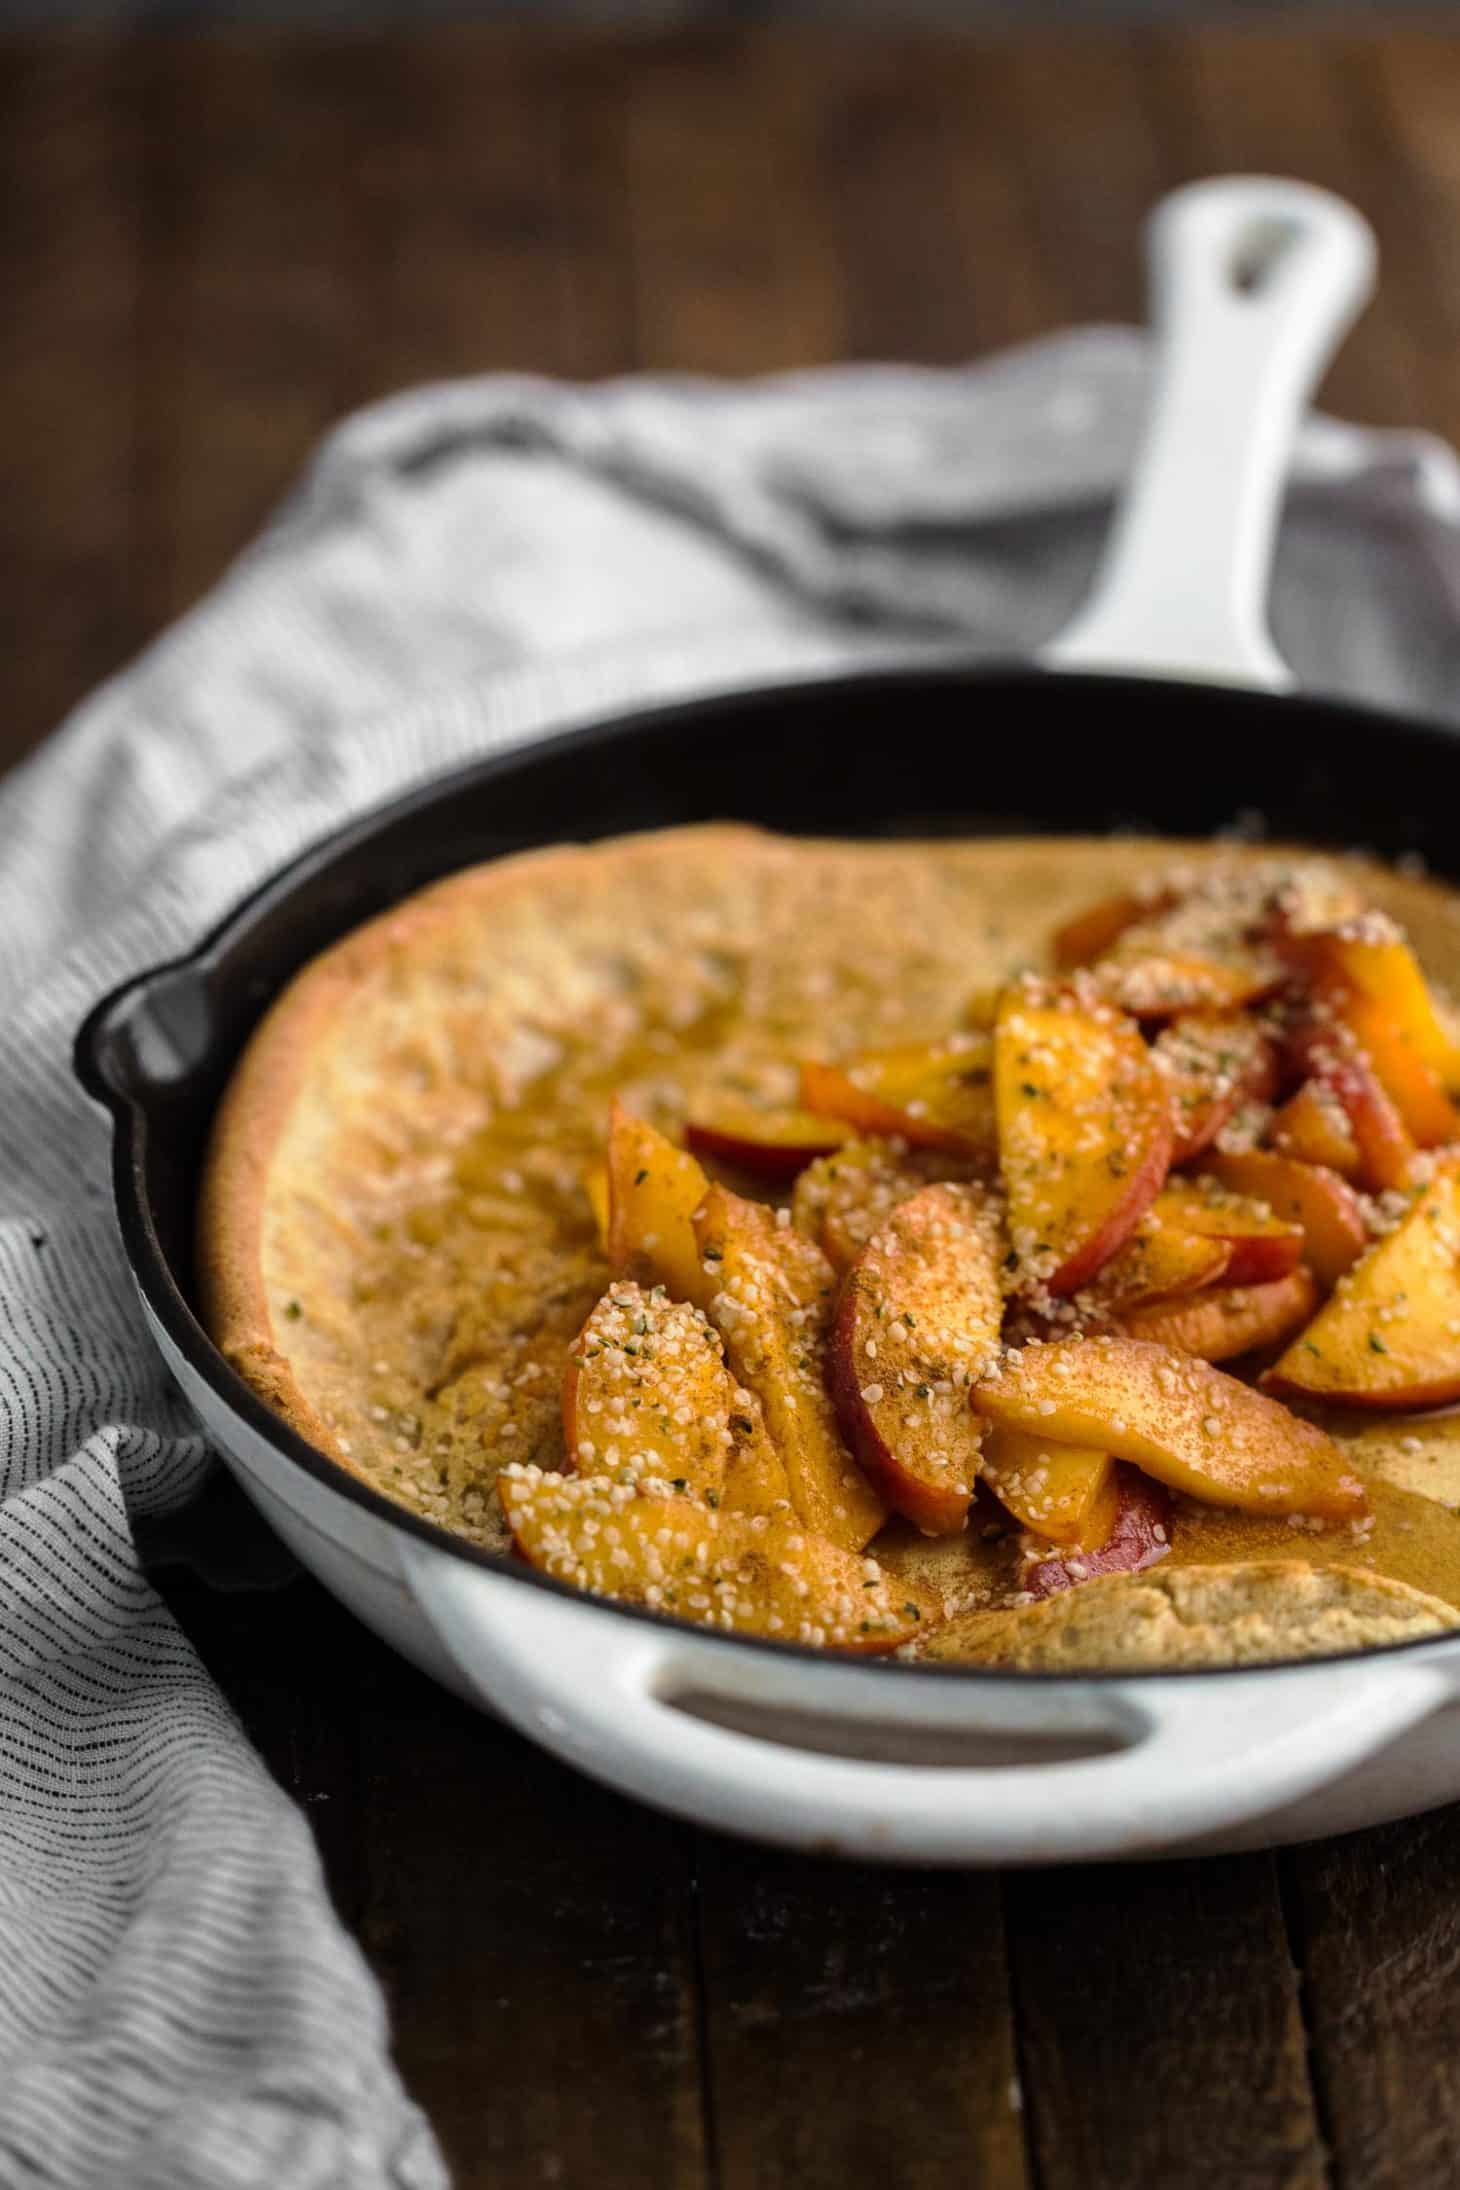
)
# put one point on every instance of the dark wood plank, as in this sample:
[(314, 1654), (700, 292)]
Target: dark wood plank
[(69, 214), (858, 2026), (533, 1935), (1080, 125), (1376, 1927), (495, 200), (255, 300), (1160, 2029), (732, 262)]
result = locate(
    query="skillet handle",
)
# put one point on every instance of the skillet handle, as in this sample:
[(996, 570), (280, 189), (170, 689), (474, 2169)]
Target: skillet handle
[(1183, 1756), (1254, 281)]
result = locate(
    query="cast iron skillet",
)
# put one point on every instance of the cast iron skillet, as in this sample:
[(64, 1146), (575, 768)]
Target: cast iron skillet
[(963, 751)]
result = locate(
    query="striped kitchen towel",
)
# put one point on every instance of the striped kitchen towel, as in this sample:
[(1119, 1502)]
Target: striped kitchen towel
[(462, 569)]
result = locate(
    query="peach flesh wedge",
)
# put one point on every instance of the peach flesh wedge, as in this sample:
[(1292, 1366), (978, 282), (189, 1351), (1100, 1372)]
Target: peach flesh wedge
[(756, 1574), (1157, 1260), (1176, 1418), (1064, 1493), (1139, 1534), (1322, 1204), (1090, 934), (1370, 956), (1312, 1128), (1163, 984), (1390, 1335), (654, 1189), (840, 1200), (771, 1144), (1084, 1133), (1412, 1086), (929, 1094), (919, 1320), (1260, 1245), (1226, 1320), (646, 1392), (1330, 1054), (1214, 1061), (772, 1296)]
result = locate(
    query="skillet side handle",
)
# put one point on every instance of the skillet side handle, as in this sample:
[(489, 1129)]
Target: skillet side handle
[(1198, 1755), (1254, 281)]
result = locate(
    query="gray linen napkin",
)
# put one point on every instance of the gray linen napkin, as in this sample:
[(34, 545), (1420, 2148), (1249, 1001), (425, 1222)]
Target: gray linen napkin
[(462, 568)]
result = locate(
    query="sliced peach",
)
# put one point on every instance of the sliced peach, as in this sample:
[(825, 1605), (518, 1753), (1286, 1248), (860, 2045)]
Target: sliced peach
[(1312, 1126), (1260, 1244), (654, 1189), (1411, 1084), (1330, 1054), (595, 1186), (1214, 1061), (772, 1144), (1084, 1133), (1222, 1321), (1066, 1493), (840, 1200), (1160, 984), (755, 1574), (1177, 1418), (647, 1394), (1371, 955), (919, 1319), (1157, 1260), (1390, 1335), (1138, 1535), (1318, 1200), (1090, 934), (772, 1298), (755, 1478), (930, 1094)]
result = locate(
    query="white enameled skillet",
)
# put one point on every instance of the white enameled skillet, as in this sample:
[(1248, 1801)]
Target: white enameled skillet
[(1254, 281)]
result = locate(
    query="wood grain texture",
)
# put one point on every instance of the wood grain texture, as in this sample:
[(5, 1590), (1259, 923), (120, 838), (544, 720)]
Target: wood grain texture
[(216, 245), (1160, 2029), (857, 2025), (1376, 1927)]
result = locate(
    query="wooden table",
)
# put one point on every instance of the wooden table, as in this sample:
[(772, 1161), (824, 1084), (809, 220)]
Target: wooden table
[(210, 250)]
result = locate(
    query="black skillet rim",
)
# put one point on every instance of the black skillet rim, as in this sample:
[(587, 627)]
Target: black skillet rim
[(167, 1299)]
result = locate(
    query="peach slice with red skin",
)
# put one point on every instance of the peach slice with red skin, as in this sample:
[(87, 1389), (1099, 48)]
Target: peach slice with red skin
[(1164, 984), (1260, 1244), (920, 1317), (1139, 1534), (1328, 1053), (647, 1394), (1390, 1335), (1158, 1259), (770, 1144), (929, 1094), (1319, 1201), (1214, 1062), (1411, 1084), (1084, 1121), (1087, 936), (1223, 1321), (756, 1574), (654, 1189), (1064, 1493), (1313, 1128), (1371, 956), (1176, 1418), (772, 1299)]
